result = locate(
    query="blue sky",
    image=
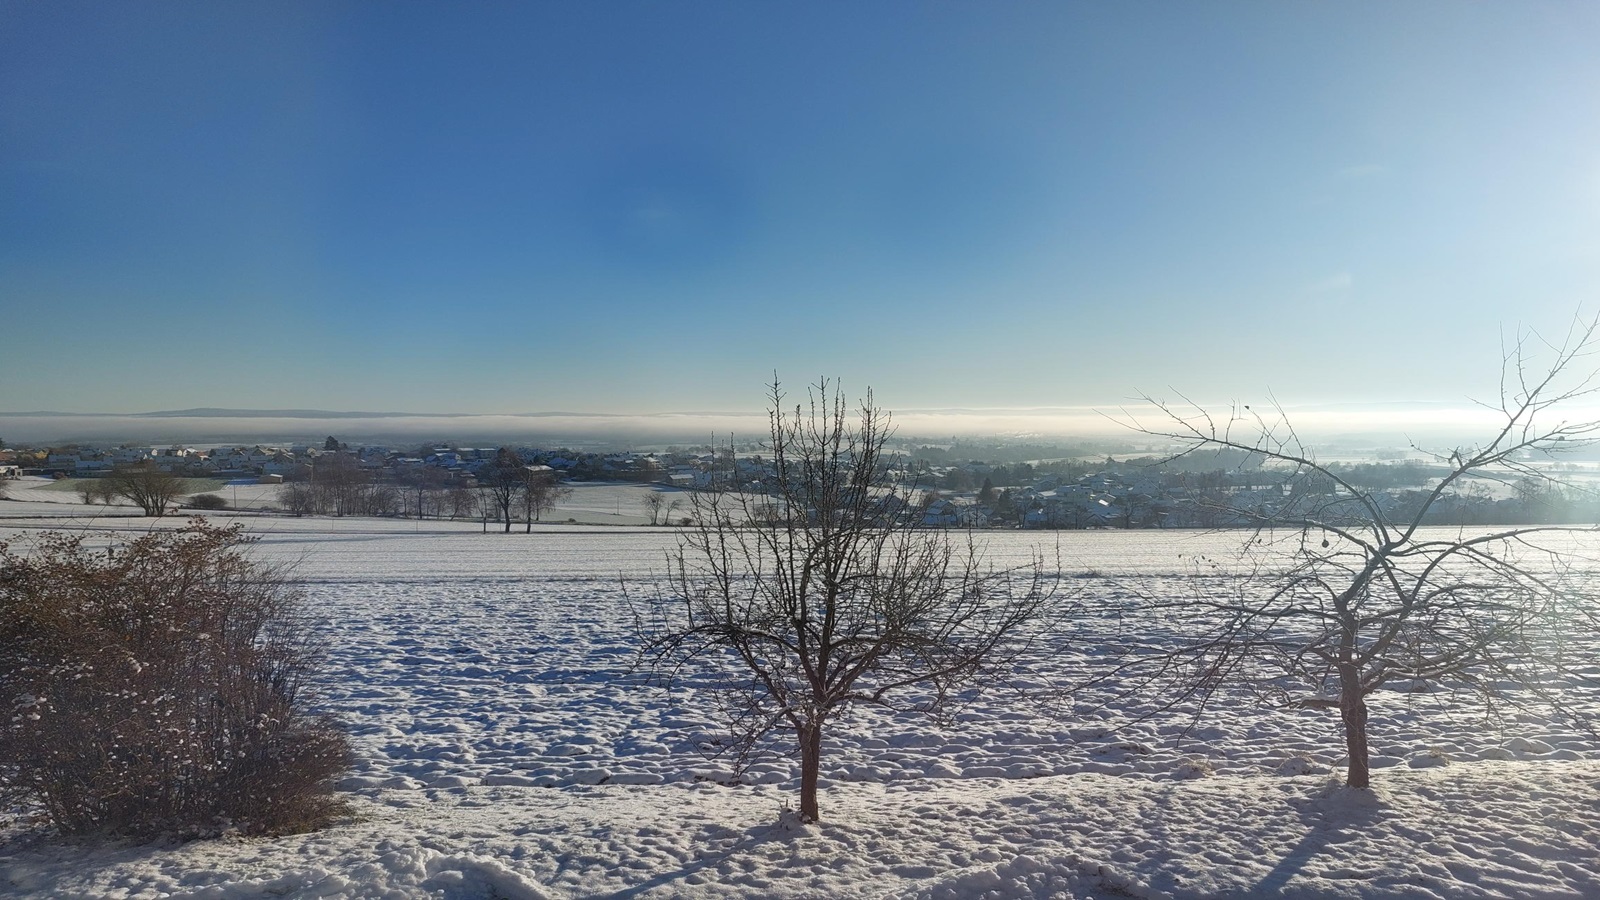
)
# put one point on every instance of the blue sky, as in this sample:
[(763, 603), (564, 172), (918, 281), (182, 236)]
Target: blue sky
[(643, 207)]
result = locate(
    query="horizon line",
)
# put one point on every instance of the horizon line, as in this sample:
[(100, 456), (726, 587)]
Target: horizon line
[(201, 412)]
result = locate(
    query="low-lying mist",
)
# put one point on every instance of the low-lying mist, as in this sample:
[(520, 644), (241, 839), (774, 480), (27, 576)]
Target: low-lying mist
[(1328, 428)]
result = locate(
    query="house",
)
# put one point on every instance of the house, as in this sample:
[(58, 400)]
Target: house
[(945, 513), (128, 455), (225, 459), (280, 464), (941, 513)]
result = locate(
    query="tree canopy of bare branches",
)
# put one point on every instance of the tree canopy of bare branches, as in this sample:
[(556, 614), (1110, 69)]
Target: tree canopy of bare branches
[(1350, 594), (539, 494), (817, 592), (146, 486), (660, 506), (501, 484), (338, 482), (423, 491)]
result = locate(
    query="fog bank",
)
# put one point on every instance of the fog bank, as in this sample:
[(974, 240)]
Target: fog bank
[(1396, 425)]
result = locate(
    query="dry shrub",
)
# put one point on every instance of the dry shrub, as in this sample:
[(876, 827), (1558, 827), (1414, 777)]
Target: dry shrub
[(159, 687), (207, 501)]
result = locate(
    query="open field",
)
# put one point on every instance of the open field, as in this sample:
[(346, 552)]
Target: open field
[(41, 500), (505, 749)]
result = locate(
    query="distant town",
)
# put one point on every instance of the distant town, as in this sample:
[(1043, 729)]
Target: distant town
[(939, 489)]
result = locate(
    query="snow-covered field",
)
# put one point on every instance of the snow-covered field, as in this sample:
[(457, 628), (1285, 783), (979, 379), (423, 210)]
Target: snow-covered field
[(505, 749)]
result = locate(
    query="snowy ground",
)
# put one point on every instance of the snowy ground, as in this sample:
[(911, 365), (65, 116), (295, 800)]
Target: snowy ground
[(505, 750)]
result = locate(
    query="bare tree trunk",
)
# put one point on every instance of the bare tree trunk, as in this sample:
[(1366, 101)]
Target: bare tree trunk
[(810, 770), (1353, 711)]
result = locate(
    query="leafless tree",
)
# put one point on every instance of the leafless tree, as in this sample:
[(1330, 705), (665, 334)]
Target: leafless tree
[(501, 485), (146, 486), (805, 598), (338, 481), (92, 491), (298, 499), (660, 506), (379, 499), (424, 488), (461, 501), (1349, 593), (540, 493)]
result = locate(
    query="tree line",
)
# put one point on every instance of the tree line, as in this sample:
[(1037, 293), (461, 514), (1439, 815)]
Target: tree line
[(506, 490)]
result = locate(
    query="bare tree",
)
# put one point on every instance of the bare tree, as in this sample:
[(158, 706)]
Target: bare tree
[(92, 491), (807, 598), (660, 506), (379, 499), (540, 493), (338, 482), (460, 501), (501, 484), (146, 486), (424, 487), (1350, 593), (298, 499)]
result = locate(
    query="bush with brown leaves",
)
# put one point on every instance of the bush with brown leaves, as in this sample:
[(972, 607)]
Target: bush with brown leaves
[(158, 686)]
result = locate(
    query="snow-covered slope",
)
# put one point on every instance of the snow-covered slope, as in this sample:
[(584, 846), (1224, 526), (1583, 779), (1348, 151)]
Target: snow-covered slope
[(506, 750)]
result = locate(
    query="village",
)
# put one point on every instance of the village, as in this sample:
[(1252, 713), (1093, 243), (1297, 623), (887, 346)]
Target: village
[(934, 491)]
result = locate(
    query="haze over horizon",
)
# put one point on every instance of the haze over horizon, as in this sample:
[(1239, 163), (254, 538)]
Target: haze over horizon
[(1365, 431), (634, 209)]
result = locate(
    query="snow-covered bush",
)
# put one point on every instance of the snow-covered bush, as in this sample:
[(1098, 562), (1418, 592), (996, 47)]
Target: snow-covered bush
[(156, 686)]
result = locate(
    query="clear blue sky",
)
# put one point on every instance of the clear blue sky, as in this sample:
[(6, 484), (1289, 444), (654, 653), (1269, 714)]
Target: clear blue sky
[(637, 207)]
